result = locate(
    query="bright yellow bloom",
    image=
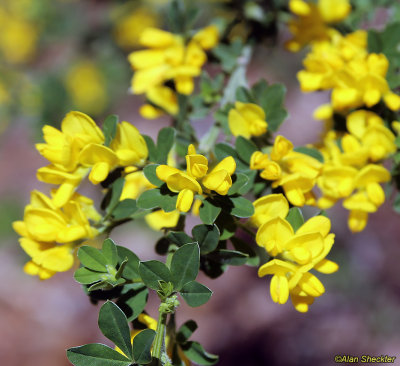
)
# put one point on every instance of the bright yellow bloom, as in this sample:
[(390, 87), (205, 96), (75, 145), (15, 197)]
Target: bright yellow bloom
[(296, 254), (247, 119), (187, 184), (160, 219), (135, 184), (269, 207), (163, 99), (295, 172)]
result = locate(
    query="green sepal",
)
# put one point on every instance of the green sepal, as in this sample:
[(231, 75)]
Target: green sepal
[(153, 271), (207, 236), (96, 354), (131, 268), (209, 212), (185, 265), (124, 209), (295, 218), (114, 325), (165, 141), (195, 352), (310, 151), (242, 207), (110, 128), (195, 294), (142, 346), (151, 175)]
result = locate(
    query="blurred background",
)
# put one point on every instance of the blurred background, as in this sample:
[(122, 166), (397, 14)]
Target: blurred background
[(62, 55)]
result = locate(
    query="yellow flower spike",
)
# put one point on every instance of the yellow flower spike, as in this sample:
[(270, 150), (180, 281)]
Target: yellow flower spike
[(274, 234), (184, 84), (197, 165), (247, 119), (272, 171), (129, 145), (282, 146), (180, 181), (135, 184), (295, 186), (372, 173), (357, 220), (379, 141), (359, 202), (304, 247), (195, 56), (207, 37), (160, 219), (337, 181), (184, 200), (357, 122), (269, 207), (101, 158), (334, 11)]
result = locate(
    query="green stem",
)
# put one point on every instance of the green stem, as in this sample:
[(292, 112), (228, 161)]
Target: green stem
[(159, 341), (246, 229)]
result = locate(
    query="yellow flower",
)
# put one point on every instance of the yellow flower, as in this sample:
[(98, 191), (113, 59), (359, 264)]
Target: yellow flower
[(135, 184), (269, 207), (160, 219), (129, 145), (163, 98), (197, 164), (219, 179), (62, 148), (247, 119)]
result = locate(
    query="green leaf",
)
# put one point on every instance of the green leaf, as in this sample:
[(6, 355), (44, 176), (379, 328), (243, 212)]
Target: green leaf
[(245, 148), (131, 269), (151, 175), (151, 147), (209, 212), (207, 236), (242, 207), (310, 151), (165, 141), (230, 257), (271, 99), (115, 194), (133, 300), (114, 325), (240, 245), (153, 271), (186, 331), (228, 54), (195, 352), (222, 150), (295, 218), (102, 285), (96, 354), (125, 209), (154, 198), (185, 265), (109, 250), (86, 276), (195, 294), (179, 238), (142, 345), (110, 128), (243, 95), (239, 185), (92, 258), (374, 41)]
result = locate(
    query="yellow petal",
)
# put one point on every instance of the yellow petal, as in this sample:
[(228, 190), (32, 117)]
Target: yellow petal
[(357, 220), (326, 266), (160, 219), (184, 200), (279, 289), (317, 224), (269, 207)]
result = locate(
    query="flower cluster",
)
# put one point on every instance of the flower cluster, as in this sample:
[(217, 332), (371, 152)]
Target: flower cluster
[(295, 172), (247, 120), (353, 171), (355, 76), (295, 252), (313, 21), (168, 57), (187, 184)]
